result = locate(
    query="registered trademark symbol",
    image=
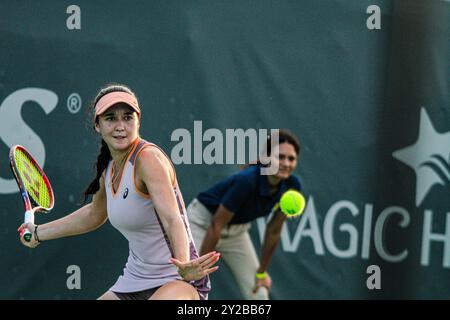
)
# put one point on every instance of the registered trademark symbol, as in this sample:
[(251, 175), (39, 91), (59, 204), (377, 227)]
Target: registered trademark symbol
[(74, 103)]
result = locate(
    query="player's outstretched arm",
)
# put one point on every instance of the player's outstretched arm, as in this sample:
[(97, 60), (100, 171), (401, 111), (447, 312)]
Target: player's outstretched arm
[(83, 220)]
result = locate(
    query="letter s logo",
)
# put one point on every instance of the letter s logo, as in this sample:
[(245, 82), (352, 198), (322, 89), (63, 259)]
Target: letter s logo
[(14, 130)]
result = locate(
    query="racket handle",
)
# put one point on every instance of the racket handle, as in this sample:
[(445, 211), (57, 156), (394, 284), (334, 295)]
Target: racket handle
[(29, 218)]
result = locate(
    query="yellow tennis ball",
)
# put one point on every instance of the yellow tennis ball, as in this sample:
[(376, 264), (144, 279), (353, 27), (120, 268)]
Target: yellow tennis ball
[(292, 203)]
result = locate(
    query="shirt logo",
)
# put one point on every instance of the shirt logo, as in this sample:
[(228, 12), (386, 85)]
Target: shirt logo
[(428, 157), (125, 194)]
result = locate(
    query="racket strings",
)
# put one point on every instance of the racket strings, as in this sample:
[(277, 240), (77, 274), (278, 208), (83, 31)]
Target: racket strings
[(33, 180)]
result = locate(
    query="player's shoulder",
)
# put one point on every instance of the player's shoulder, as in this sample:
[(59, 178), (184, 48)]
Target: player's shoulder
[(151, 156), (150, 149)]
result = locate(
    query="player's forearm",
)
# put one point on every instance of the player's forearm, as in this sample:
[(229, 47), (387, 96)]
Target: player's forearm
[(271, 240), (179, 239), (78, 222)]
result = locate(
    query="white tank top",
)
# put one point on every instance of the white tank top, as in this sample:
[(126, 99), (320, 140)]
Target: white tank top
[(132, 213)]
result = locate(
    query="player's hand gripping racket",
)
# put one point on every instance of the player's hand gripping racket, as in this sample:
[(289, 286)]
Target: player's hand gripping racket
[(34, 186)]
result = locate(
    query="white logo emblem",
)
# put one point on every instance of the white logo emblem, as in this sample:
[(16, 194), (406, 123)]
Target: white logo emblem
[(428, 156)]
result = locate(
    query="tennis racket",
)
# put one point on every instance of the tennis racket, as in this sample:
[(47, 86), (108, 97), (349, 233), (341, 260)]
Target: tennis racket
[(37, 193)]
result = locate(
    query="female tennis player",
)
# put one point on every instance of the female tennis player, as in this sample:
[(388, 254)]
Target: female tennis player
[(137, 190)]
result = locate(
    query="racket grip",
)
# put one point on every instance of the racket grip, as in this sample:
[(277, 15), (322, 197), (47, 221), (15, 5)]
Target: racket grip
[(29, 218)]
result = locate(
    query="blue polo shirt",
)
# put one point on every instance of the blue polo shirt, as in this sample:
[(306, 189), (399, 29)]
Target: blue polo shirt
[(246, 194)]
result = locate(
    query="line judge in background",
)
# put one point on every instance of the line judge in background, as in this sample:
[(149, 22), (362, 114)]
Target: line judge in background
[(221, 216)]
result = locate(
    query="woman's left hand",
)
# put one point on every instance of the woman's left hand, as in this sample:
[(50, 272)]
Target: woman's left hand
[(197, 268)]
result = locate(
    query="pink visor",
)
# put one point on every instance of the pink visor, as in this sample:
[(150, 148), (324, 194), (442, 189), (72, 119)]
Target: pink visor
[(112, 98)]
